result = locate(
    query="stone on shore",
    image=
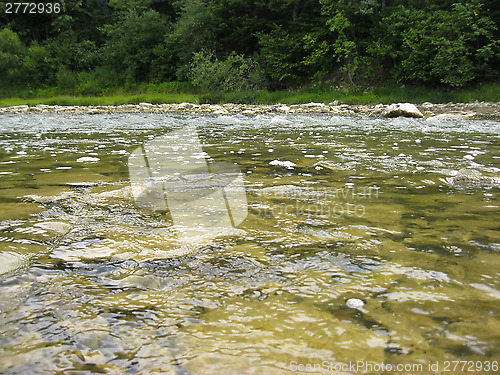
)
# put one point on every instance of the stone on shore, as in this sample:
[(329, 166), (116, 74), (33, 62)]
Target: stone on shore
[(402, 110), (429, 110), (284, 108)]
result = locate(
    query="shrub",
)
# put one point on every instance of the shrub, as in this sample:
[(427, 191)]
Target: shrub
[(22, 67), (12, 53), (235, 73)]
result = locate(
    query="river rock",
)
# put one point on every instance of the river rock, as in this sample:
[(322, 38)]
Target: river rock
[(473, 181), (402, 110), (19, 108), (221, 111), (355, 303), (11, 261), (282, 191), (433, 111), (287, 164)]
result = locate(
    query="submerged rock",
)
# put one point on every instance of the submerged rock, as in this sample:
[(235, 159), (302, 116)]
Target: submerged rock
[(282, 191), (473, 181), (467, 178), (11, 261), (330, 166), (402, 110), (286, 164), (356, 304)]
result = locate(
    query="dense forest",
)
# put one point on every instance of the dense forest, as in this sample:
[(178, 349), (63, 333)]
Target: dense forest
[(92, 46)]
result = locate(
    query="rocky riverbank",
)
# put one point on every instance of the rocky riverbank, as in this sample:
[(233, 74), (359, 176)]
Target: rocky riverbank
[(475, 110)]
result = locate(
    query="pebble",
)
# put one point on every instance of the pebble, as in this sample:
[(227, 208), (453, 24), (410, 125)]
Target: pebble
[(429, 110), (87, 159), (355, 303)]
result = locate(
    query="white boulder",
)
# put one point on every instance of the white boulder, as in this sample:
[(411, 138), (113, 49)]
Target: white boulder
[(402, 110)]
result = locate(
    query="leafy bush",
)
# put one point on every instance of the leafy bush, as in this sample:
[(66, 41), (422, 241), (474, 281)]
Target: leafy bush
[(66, 80), (97, 82), (12, 52), (235, 73), (22, 67)]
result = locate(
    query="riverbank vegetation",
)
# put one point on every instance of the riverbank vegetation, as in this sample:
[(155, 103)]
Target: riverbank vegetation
[(151, 93), (252, 51)]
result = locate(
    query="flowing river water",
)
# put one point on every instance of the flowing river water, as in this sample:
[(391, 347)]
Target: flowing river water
[(400, 214)]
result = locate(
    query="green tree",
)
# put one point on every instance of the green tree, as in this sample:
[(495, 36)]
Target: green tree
[(132, 43), (12, 53), (451, 47), (280, 55), (193, 32), (21, 67), (344, 48)]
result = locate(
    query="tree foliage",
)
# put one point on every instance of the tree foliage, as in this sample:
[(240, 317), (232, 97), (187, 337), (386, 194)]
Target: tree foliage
[(452, 47), (226, 45)]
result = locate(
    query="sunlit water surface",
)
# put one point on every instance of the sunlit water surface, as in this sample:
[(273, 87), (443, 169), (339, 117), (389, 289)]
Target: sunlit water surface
[(91, 283)]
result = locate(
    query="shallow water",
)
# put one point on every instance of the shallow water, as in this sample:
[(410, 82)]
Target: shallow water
[(338, 208)]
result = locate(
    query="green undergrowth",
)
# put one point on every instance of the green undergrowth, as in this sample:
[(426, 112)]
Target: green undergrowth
[(101, 100), (172, 93)]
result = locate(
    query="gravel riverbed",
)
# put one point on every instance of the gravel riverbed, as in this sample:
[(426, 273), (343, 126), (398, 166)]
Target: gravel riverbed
[(476, 110)]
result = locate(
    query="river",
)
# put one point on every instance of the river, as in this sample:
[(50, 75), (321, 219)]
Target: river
[(359, 243)]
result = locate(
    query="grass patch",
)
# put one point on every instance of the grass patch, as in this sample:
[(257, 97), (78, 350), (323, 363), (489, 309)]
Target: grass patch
[(386, 95), (175, 92), (102, 100)]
